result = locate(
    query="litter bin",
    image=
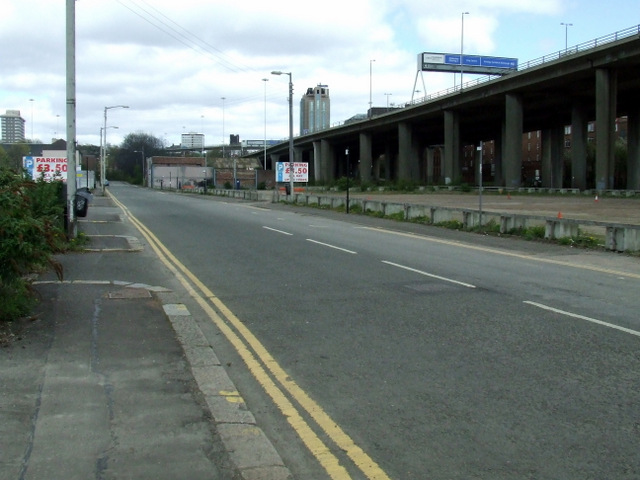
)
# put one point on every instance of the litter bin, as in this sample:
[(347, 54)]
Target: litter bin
[(237, 184), (287, 188), (82, 199)]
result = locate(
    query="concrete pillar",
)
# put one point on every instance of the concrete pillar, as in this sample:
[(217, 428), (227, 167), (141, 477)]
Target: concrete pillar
[(633, 146), (375, 167), (406, 152), (430, 159), (452, 147), (579, 138), (366, 158), (389, 173), (512, 161), (328, 160), (274, 158), (606, 96), (498, 149), (552, 157), (318, 172)]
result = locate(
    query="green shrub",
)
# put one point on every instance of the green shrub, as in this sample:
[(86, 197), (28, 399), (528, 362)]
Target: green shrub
[(534, 233), (398, 216), (451, 224), (31, 231)]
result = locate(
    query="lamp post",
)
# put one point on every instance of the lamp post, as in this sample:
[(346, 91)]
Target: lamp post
[(102, 129), (203, 151), (370, 87), (31, 100), (566, 35), (346, 152), (265, 80), (387, 95), (142, 153), (223, 99), (462, 48), (278, 72), (103, 154)]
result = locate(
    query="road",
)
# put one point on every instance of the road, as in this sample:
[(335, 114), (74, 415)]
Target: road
[(372, 349)]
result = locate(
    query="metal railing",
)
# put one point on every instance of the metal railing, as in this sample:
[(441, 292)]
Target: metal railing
[(552, 57), (581, 47)]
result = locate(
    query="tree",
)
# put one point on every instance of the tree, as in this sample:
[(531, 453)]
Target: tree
[(15, 153), (4, 158), (127, 159)]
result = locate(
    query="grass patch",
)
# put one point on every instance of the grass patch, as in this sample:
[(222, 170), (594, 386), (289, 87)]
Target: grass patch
[(398, 216), (451, 225)]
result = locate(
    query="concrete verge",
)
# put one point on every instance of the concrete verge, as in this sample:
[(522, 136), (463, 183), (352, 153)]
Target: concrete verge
[(249, 449)]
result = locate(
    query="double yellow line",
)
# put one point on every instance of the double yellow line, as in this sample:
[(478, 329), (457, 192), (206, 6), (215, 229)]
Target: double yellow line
[(273, 379)]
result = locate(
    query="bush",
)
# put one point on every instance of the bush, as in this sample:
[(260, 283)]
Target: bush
[(31, 231)]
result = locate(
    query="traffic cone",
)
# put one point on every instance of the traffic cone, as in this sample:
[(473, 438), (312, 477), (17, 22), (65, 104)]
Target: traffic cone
[(508, 196), (559, 214), (596, 198)]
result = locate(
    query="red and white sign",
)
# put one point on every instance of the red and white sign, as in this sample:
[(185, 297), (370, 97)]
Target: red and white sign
[(300, 172), (53, 168)]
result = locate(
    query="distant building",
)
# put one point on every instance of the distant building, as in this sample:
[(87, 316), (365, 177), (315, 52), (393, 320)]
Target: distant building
[(192, 141), (12, 127), (315, 110)]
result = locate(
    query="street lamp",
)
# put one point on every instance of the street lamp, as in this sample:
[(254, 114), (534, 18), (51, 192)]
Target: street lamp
[(387, 95), (346, 152), (103, 153), (462, 48), (370, 87), (278, 72), (223, 99), (143, 162), (31, 100), (566, 35), (265, 80), (102, 129)]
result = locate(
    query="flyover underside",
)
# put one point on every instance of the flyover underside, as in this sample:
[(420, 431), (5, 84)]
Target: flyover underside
[(588, 88)]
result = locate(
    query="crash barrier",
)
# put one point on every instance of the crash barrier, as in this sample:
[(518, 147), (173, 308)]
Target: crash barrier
[(619, 237)]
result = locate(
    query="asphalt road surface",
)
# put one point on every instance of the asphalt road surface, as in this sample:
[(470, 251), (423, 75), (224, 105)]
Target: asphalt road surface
[(412, 352)]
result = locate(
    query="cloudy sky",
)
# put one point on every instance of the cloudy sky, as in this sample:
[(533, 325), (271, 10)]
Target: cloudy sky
[(172, 62)]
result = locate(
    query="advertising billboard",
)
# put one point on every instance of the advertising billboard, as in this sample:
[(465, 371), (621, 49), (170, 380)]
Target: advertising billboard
[(454, 62), (300, 172), (52, 168)]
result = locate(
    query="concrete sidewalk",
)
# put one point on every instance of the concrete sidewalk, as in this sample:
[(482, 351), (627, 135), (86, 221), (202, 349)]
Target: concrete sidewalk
[(112, 377)]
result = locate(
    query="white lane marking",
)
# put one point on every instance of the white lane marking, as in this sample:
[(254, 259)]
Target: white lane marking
[(524, 256), (278, 231), (582, 317), (426, 274), (332, 246)]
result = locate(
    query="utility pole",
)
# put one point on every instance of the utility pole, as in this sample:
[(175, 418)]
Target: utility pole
[(71, 119)]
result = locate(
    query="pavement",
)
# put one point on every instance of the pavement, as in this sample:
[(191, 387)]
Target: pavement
[(111, 377)]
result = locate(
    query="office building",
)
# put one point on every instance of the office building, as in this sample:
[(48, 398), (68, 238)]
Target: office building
[(193, 141), (315, 109), (12, 127)]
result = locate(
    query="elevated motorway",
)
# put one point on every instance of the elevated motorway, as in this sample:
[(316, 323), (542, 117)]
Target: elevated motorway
[(597, 81)]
